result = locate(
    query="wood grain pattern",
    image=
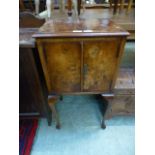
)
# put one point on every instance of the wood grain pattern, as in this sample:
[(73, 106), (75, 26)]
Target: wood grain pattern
[(120, 51), (82, 27), (123, 101), (120, 105), (64, 66), (123, 105), (84, 64), (44, 65), (101, 60), (125, 83), (80, 57)]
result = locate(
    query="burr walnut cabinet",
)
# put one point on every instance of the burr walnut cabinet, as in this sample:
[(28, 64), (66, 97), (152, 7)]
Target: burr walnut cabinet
[(80, 57)]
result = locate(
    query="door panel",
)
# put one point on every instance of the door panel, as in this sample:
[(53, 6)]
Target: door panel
[(64, 66), (100, 60)]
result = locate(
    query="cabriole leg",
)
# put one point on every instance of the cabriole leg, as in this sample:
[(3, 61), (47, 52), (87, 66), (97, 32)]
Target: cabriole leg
[(52, 101), (106, 108)]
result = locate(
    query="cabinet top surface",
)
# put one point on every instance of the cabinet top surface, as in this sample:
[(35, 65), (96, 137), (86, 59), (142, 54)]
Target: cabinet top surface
[(80, 28)]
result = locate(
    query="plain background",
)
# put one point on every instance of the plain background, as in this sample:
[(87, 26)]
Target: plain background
[(145, 77)]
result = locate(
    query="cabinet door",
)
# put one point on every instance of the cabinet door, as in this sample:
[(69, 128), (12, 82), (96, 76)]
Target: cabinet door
[(100, 61), (63, 62)]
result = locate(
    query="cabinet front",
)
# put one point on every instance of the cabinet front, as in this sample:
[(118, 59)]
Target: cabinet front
[(100, 61), (63, 62), (81, 66)]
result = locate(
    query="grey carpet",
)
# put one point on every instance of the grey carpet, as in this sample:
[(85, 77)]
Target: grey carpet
[(81, 133)]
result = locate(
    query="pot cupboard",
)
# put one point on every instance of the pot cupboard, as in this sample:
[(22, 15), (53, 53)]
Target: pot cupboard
[(80, 57)]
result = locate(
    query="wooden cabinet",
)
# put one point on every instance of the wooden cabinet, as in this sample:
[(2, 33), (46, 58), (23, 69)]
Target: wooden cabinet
[(80, 56), (123, 102), (32, 97), (80, 66), (32, 90), (29, 88)]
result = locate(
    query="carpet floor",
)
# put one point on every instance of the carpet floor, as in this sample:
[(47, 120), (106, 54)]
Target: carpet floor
[(81, 133), (27, 130)]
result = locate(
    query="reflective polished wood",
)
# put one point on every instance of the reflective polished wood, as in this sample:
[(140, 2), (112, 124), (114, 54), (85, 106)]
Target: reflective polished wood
[(80, 57)]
